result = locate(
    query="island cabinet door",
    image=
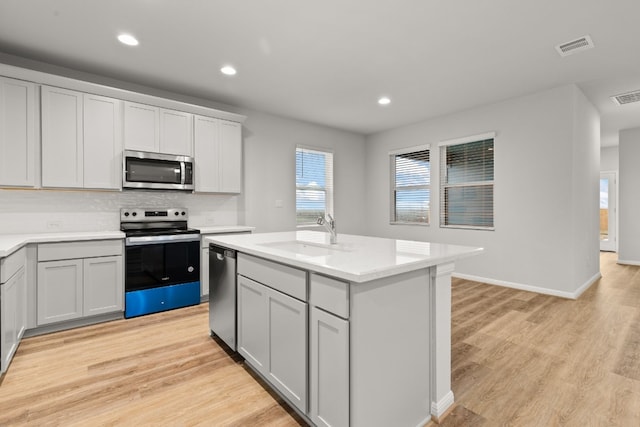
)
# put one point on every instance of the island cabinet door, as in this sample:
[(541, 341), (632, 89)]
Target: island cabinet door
[(329, 358), (288, 347), (253, 343)]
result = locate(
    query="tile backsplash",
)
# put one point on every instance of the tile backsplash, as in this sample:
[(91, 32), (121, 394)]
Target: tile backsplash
[(43, 211)]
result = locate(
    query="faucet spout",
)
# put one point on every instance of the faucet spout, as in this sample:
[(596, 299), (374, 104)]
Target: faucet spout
[(330, 225)]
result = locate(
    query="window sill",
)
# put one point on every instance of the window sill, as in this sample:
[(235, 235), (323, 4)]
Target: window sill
[(468, 227), (420, 224)]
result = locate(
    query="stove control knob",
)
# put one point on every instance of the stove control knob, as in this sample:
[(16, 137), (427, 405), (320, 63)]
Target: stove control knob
[(126, 214), (183, 213), (135, 214), (177, 213)]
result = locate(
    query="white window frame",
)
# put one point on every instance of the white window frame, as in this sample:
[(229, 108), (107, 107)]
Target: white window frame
[(328, 188), (443, 181), (393, 187)]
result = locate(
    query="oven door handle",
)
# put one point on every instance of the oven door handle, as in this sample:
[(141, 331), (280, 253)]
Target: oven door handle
[(155, 240)]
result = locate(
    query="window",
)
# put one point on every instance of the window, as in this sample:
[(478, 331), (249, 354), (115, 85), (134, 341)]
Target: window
[(466, 182), (410, 186), (314, 185)]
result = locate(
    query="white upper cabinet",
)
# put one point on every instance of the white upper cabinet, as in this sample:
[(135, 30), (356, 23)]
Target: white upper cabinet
[(102, 142), (218, 155), (141, 127), (81, 140), (62, 139), (231, 155), (18, 129), (176, 132), (157, 130)]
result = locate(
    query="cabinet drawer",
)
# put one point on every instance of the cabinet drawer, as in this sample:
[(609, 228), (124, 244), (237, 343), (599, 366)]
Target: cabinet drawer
[(329, 294), (11, 264), (285, 279), (84, 249)]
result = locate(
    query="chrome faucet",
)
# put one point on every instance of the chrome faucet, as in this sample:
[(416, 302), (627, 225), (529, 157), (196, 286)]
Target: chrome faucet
[(330, 224)]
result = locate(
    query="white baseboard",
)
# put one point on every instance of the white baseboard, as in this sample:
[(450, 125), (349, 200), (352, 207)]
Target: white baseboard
[(625, 262), (546, 291), (439, 408)]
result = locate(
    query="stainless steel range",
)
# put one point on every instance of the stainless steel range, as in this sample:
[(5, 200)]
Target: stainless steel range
[(162, 260)]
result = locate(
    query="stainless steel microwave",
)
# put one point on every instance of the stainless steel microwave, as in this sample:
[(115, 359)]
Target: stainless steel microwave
[(155, 171)]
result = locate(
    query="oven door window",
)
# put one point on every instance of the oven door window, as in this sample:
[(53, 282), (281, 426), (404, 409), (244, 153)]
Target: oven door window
[(153, 170), (154, 265)]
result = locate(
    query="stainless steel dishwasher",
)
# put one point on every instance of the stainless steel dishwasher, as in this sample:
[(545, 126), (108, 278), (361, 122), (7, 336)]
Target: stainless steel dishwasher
[(222, 294)]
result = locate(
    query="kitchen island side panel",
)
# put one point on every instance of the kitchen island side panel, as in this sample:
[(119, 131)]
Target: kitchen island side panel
[(390, 351)]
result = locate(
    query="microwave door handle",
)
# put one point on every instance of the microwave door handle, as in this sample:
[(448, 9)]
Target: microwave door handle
[(182, 173)]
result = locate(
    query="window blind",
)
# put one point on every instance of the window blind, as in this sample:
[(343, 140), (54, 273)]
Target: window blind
[(466, 184), (314, 185), (411, 175)]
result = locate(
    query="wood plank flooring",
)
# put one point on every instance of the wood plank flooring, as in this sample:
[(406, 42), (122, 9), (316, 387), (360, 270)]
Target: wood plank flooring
[(162, 369), (518, 359), (524, 359)]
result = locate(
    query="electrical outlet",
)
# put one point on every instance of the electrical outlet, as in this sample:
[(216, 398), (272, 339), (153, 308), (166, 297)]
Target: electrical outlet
[(54, 225), (278, 203), (210, 220)]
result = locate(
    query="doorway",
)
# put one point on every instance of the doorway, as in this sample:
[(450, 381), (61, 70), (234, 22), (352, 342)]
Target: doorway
[(608, 211)]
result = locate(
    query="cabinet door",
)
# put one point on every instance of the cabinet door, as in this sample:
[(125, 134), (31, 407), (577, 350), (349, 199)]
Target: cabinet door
[(206, 149), (9, 318), (21, 303), (141, 127), (17, 133), (59, 291), (253, 341), (204, 272), (103, 285), (329, 358), (287, 368), (62, 144), (176, 132), (102, 119), (230, 157)]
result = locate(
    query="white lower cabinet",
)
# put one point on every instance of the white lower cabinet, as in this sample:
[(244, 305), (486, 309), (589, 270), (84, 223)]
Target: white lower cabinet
[(59, 291), (13, 305), (253, 331), (13, 318), (272, 337), (329, 364), (103, 285), (70, 287)]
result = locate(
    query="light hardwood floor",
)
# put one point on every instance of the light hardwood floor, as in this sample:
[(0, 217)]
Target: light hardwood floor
[(518, 359), (160, 370)]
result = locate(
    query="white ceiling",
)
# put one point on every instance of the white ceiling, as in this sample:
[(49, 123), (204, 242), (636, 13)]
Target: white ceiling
[(328, 61)]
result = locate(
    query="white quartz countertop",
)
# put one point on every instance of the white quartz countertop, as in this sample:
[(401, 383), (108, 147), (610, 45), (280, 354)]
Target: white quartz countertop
[(10, 243), (354, 258), (221, 229)]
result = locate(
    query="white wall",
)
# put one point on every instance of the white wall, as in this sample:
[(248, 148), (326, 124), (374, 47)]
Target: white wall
[(585, 193), (533, 241), (269, 176), (609, 159), (629, 201)]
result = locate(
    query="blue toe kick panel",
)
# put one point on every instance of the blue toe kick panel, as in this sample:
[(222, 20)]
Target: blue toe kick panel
[(154, 300)]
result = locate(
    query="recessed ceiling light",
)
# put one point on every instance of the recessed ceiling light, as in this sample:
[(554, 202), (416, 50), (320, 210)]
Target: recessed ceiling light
[(384, 100), (128, 39), (228, 70)]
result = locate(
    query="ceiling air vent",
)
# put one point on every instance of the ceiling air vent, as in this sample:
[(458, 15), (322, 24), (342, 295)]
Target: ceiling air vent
[(574, 46), (627, 98)]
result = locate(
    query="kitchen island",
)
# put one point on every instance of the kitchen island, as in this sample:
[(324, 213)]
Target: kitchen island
[(355, 333)]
